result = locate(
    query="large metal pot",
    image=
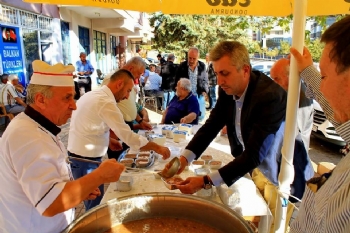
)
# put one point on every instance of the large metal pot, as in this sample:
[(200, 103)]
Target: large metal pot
[(149, 205)]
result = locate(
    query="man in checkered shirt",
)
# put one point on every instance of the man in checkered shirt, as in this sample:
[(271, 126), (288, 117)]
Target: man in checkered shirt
[(325, 206)]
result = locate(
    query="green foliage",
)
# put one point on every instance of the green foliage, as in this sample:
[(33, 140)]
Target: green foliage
[(177, 33), (284, 48), (272, 53), (315, 47), (256, 48)]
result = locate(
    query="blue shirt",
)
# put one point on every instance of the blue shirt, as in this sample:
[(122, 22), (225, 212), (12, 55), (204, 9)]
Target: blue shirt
[(178, 109), (239, 105), (190, 156), (154, 82), (79, 66)]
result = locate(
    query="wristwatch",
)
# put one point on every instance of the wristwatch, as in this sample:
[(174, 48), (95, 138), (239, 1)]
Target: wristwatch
[(207, 183), (140, 121)]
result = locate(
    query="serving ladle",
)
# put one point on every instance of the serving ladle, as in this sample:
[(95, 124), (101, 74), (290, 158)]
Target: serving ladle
[(169, 171)]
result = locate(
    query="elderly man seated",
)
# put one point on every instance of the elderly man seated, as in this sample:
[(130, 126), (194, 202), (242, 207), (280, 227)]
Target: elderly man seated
[(184, 107), (9, 97), (13, 78)]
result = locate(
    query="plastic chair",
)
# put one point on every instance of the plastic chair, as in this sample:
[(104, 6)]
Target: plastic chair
[(151, 100)]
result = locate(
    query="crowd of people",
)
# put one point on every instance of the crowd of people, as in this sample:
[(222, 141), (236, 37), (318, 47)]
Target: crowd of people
[(161, 81), (42, 181)]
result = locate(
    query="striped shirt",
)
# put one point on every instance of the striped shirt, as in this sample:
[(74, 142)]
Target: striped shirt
[(328, 209), (8, 94), (193, 76)]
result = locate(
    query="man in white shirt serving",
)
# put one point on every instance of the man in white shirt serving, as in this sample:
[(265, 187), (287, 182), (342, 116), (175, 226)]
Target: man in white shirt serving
[(38, 193), (89, 128)]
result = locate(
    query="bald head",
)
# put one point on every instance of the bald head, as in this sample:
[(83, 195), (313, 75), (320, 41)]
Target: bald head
[(280, 72)]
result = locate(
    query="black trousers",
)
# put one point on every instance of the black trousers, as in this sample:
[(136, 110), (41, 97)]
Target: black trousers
[(86, 86)]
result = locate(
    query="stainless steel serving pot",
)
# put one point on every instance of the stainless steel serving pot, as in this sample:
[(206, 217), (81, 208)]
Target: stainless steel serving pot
[(149, 205)]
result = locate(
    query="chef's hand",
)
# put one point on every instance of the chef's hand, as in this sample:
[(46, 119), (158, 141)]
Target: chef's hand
[(110, 170), (93, 195), (114, 144), (163, 151), (145, 125), (81, 73), (191, 185), (303, 61)]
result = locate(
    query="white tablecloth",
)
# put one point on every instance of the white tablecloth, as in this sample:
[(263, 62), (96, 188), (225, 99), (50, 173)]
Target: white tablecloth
[(242, 196)]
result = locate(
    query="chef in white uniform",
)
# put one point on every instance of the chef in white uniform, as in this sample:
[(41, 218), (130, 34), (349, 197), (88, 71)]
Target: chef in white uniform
[(38, 193)]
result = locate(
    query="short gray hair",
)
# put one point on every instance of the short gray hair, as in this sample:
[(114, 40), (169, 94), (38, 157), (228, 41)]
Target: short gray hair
[(235, 50), (195, 49), (34, 89), (185, 83), (135, 62)]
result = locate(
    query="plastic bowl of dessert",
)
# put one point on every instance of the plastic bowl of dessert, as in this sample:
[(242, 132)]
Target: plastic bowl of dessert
[(215, 164), (207, 158), (197, 164)]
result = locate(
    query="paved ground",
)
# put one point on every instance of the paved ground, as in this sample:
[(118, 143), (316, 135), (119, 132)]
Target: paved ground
[(319, 151)]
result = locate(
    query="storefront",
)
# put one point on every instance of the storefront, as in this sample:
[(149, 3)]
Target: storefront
[(59, 33), (34, 36)]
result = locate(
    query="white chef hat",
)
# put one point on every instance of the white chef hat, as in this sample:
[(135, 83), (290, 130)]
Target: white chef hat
[(57, 75)]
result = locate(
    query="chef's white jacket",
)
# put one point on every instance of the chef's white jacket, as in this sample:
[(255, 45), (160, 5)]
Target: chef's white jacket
[(34, 171)]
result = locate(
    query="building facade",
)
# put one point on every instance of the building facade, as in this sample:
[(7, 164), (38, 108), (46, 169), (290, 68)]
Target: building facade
[(59, 33)]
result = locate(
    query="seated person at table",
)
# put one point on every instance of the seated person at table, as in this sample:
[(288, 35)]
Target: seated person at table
[(9, 97), (184, 107), (143, 114), (18, 86), (153, 83)]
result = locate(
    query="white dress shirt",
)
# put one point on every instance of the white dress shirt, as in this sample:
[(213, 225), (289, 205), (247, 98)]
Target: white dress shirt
[(96, 113), (34, 171)]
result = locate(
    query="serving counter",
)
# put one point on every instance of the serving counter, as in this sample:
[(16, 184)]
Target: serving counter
[(242, 196)]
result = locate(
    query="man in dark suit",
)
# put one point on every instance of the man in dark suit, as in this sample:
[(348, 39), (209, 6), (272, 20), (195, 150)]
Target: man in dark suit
[(168, 72), (194, 70), (253, 107), (280, 74)]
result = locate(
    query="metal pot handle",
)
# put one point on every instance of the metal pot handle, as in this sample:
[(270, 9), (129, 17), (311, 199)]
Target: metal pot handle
[(251, 224)]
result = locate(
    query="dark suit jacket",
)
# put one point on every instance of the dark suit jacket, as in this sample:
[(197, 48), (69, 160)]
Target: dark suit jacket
[(168, 73), (202, 80), (262, 128)]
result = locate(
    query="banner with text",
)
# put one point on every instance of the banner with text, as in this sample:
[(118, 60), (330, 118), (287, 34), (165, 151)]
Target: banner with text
[(11, 53)]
